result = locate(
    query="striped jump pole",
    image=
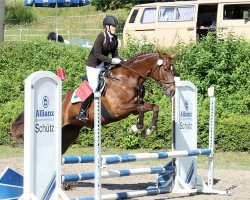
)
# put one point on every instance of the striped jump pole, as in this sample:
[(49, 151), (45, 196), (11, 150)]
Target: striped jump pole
[(123, 158), (131, 194), (117, 173)]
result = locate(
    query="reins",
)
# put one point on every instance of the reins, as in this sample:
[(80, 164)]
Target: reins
[(131, 69)]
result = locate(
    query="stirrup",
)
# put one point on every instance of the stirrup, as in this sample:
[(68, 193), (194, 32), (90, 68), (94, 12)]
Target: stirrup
[(82, 116)]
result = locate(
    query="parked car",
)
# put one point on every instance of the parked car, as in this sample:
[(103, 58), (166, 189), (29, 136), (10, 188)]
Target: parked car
[(81, 42), (165, 23)]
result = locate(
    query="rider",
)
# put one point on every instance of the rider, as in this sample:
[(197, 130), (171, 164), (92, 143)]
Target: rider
[(105, 44)]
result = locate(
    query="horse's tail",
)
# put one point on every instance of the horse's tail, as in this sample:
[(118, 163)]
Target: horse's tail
[(17, 128)]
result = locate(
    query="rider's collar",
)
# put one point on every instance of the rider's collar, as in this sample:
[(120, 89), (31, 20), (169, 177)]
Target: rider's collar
[(110, 35)]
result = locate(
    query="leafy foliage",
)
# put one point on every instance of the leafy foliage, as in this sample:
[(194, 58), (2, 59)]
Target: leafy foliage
[(105, 5), (211, 61), (18, 14)]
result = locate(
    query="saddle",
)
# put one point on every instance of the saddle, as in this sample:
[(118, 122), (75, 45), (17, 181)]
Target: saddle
[(85, 95), (84, 90)]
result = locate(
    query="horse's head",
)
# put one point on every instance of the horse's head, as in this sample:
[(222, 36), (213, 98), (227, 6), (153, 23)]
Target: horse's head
[(164, 73), (158, 66)]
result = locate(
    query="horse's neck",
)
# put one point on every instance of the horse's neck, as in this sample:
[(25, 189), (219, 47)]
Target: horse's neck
[(135, 71), (143, 64)]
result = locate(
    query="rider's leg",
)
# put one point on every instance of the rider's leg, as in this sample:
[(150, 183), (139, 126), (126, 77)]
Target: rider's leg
[(93, 80), (93, 76)]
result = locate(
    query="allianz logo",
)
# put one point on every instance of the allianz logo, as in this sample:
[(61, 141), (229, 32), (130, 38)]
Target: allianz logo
[(44, 113), (186, 113)]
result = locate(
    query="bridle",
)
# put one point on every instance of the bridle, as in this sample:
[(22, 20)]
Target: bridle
[(159, 66)]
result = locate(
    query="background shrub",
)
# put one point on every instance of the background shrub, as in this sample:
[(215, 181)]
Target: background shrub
[(223, 64), (18, 14)]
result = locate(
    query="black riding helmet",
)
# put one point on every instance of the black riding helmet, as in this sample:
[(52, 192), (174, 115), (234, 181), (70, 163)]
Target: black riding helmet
[(110, 20)]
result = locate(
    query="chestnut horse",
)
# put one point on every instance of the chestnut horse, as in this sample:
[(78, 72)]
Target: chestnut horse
[(122, 96)]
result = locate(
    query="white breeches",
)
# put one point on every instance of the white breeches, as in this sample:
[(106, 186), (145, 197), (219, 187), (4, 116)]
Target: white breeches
[(93, 76)]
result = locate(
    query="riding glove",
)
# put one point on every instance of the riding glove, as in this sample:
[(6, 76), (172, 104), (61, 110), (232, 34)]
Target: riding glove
[(116, 60)]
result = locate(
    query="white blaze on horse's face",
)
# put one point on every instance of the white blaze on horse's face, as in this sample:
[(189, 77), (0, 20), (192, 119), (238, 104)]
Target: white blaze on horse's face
[(159, 62), (167, 75)]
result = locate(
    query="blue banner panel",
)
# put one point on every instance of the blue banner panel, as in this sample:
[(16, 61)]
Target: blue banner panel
[(45, 3), (59, 3), (10, 192), (11, 184), (84, 2), (28, 2), (11, 177), (68, 3)]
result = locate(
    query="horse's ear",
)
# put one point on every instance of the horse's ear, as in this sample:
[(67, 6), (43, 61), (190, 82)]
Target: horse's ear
[(160, 54)]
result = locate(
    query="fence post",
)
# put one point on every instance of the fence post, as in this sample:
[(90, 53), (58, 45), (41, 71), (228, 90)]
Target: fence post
[(21, 32), (2, 8)]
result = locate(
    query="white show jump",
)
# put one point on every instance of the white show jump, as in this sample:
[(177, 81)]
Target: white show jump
[(42, 147)]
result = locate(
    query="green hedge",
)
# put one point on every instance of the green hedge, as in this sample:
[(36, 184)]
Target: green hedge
[(221, 63)]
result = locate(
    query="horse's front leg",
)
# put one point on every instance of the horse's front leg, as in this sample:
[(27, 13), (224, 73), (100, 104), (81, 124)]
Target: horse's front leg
[(142, 108), (140, 122), (155, 108)]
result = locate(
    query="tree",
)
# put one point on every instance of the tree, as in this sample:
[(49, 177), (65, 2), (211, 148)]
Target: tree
[(105, 5), (2, 9)]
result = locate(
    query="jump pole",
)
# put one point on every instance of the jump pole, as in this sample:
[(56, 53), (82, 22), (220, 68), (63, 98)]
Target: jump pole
[(97, 144)]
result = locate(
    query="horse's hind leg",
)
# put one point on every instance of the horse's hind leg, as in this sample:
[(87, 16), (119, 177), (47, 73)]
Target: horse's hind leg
[(17, 129), (69, 135)]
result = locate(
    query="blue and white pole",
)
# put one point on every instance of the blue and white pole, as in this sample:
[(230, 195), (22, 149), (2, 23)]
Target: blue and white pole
[(97, 149), (211, 137)]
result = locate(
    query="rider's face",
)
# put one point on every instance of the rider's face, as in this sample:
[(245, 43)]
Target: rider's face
[(112, 29)]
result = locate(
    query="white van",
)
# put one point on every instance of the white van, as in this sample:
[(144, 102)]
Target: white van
[(166, 23)]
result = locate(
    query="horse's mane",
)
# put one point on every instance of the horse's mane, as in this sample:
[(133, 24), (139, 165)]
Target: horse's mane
[(134, 57)]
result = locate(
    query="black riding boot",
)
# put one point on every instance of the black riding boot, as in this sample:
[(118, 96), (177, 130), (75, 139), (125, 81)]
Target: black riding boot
[(82, 116)]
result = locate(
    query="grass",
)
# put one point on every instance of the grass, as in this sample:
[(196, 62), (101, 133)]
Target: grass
[(83, 22), (223, 160)]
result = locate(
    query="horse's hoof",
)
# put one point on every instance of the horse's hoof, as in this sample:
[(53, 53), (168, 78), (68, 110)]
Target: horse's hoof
[(146, 132), (133, 129)]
